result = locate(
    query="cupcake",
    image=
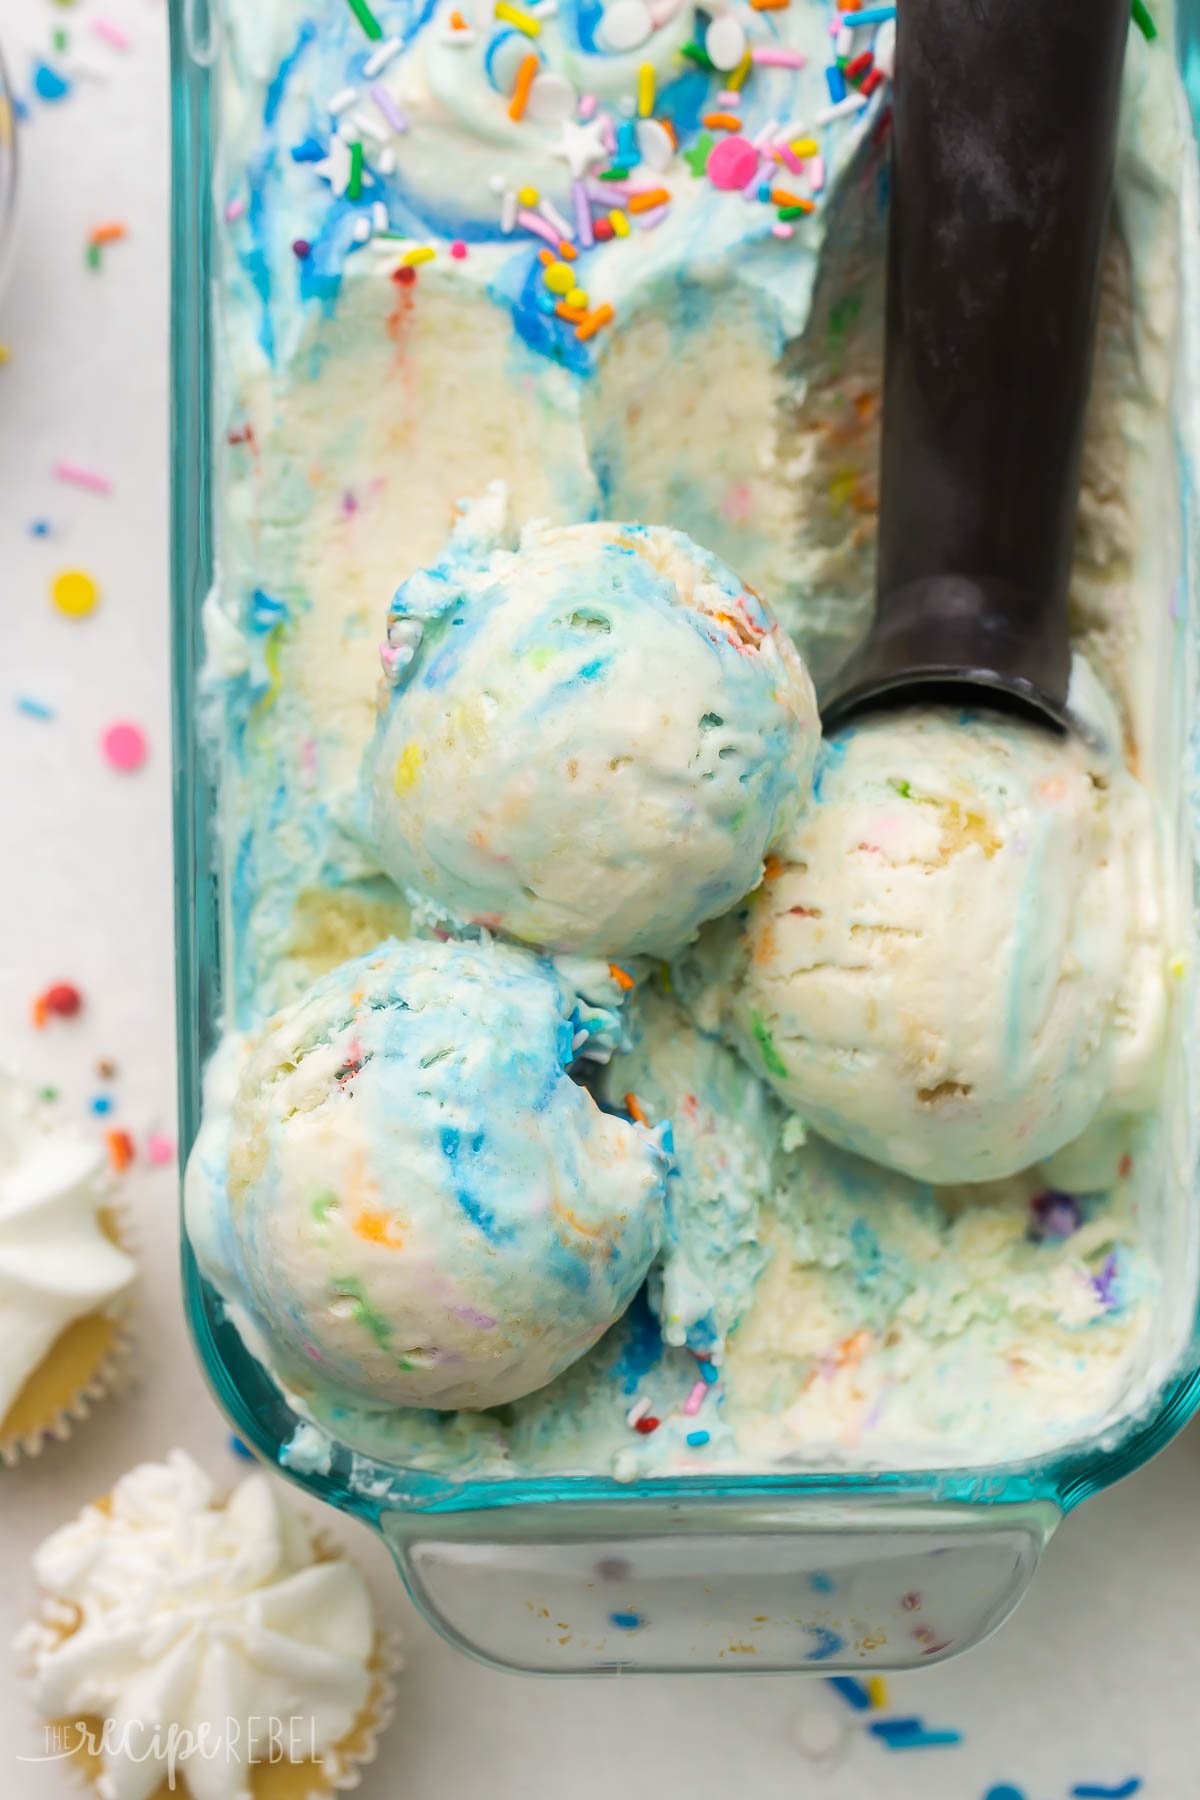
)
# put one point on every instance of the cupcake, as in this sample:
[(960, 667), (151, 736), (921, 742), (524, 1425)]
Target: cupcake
[(64, 1277), (218, 1651)]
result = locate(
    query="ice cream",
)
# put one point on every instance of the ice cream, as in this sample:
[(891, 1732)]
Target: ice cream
[(422, 1206), (957, 960), (393, 337), (533, 772)]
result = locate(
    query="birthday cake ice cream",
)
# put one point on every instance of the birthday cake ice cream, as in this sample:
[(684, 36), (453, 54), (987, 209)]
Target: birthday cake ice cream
[(628, 261), (534, 772)]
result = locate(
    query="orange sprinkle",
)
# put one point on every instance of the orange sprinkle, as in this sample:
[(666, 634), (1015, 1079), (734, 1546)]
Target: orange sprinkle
[(573, 314), (769, 5), (781, 197), (120, 1149), (567, 252), (773, 868), (622, 977), (633, 1108), (111, 233), (639, 203), (546, 257), (457, 22), (588, 327), (722, 121), (376, 1227), (525, 77)]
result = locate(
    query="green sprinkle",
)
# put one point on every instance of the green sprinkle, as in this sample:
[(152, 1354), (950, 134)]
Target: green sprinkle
[(773, 1063), (91, 256), (59, 38), (366, 19), (48, 1093), (614, 174), (1143, 21), (787, 213), (346, 1287), (354, 185), (903, 788), (697, 157), (695, 54), (323, 1205)]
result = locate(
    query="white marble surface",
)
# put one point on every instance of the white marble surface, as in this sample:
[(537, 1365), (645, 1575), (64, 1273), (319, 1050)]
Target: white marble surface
[(1097, 1676)]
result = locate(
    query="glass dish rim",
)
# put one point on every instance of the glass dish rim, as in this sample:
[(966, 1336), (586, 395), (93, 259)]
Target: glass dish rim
[(1064, 1478)]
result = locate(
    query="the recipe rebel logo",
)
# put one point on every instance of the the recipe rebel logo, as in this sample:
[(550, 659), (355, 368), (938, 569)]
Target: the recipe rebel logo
[(257, 1739)]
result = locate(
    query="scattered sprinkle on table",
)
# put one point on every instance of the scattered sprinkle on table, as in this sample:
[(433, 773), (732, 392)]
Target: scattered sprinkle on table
[(1095, 1790), (62, 1000), (120, 1150), (124, 746), (32, 708), (80, 476), (160, 1149), (626, 1621), (75, 593), (48, 84), (101, 1104)]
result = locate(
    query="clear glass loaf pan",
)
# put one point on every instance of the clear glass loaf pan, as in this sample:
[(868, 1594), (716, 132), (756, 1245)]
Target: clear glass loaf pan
[(814, 1572)]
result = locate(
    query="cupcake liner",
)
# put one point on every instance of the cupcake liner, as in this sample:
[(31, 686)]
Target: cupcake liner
[(89, 1361), (339, 1769)]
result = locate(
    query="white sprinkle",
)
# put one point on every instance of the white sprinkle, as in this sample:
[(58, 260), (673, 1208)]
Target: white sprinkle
[(379, 216), (379, 59), (508, 211), (625, 25), (845, 109), (885, 48), (843, 44), (345, 97), (765, 134), (580, 1038), (552, 99), (544, 9), (654, 144), (385, 162), (725, 43), (794, 128), (637, 1411), (339, 165), (368, 128), (553, 217), (362, 230)]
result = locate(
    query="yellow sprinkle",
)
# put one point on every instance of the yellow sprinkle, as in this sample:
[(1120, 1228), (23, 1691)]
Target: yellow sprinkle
[(619, 222), (423, 254), (645, 90), (877, 1690), (737, 79), (517, 16), (558, 278), (408, 768), (805, 147), (577, 299), (5, 355), (528, 196), (1178, 968), (74, 593)]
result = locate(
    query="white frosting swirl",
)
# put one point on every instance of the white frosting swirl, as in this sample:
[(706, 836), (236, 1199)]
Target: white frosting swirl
[(214, 1620), (56, 1262)]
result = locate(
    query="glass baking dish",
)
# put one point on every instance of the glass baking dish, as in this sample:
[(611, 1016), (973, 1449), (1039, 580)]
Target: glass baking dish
[(795, 1571)]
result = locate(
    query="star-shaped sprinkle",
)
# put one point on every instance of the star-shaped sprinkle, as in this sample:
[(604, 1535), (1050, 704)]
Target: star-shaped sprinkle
[(697, 157), (581, 146)]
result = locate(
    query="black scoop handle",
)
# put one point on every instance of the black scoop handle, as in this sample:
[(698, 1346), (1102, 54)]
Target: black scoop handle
[(1005, 119)]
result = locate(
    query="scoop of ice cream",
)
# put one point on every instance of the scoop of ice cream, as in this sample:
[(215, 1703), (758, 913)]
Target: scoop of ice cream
[(423, 1207), (956, 962), (589, 743)]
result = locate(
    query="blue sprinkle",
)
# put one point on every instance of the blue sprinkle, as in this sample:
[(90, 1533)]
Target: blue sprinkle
[(241, 1449), (836, 83), (707, 1372), (49, 84), (870, 15), (310, 151), (33, 709), (828, 1643), (1094, 1790), (39, 528), (626, 1621), (853, 1692), (820, 1582), (764, 193), (910, 1734), (102, 1104), (697, 1439), (1004, 1792)]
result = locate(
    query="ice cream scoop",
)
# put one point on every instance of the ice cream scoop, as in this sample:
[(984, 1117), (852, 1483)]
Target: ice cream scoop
[(417, 1202), (1004, 132), (956, 963), (590, 742)]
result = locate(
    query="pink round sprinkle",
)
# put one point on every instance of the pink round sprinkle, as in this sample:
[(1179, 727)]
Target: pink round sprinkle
[(160, 1149), (731, 163), (458, 249), (124, 746)]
